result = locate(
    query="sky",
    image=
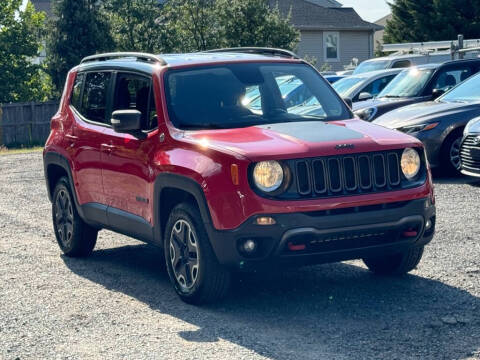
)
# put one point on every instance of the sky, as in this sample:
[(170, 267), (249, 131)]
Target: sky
[(369, 10)]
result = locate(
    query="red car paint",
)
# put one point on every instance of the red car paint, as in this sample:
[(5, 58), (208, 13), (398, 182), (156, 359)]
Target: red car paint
[(112, 168)]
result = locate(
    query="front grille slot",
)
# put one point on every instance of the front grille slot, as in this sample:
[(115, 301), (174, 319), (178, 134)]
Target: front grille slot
[(350, 175), (334, 167), (303, 178)]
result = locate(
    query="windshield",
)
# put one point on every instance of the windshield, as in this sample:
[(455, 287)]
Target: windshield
[(468, 91), (248, 94), (409, 83), (372, 65), (347, 86)]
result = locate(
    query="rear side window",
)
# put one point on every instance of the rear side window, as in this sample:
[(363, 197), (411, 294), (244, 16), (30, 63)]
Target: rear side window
[(94, 99), (75, 99), (451, 77), (401, 64)]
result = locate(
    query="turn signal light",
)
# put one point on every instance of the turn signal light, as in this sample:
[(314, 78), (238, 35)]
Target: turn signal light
[(266, 220), (234, 173)]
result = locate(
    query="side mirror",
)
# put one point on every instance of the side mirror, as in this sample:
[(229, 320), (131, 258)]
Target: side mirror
[(365, 96), (436, 93), (349, 102), (126, 121)]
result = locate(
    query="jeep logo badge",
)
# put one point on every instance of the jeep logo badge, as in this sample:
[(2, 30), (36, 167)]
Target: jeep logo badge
[(344, 146)]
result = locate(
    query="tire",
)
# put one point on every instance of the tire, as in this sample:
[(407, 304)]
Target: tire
[(192, 266), (74, 236), (450, 154), (398, 264)]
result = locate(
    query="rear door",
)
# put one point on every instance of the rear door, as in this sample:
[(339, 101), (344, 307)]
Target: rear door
[(126, 159), (89, 106)]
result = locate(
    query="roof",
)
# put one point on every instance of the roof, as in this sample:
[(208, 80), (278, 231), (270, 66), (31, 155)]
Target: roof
[(306, 15), (378, 73), (175, 60)]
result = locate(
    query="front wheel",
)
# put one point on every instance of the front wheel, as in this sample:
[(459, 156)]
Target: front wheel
[(397, 264), (192, 266), (450, 155), (74, 236)]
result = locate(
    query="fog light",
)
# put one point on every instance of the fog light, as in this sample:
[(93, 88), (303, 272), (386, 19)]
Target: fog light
[(266, 220), (249, 246), (428, 225)]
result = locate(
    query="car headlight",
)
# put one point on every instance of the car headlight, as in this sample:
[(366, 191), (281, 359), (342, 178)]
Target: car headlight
[(417, 128), (268, 176), (471, 124), (366, 114), (410, 163)]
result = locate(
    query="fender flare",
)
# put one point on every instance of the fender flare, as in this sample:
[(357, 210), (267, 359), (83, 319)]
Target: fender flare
[(179, 182), (54, 158)]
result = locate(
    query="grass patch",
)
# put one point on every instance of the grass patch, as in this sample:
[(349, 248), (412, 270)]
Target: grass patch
[(10, 151)]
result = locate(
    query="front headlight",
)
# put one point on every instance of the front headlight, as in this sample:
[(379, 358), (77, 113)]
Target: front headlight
[(268, 176), (366, 114), (410, 163), (417, 128), (470, 125)]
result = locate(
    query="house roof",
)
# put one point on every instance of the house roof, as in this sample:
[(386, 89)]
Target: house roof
[(306, 15)]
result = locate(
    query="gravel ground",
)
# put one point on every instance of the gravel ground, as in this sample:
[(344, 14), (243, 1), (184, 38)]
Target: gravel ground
[(119, 304)]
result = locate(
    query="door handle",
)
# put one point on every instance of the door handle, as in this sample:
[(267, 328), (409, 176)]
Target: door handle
[(108, 148), (71, 137)]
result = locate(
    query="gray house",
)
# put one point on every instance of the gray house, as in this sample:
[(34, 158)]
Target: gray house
[(330, 33)]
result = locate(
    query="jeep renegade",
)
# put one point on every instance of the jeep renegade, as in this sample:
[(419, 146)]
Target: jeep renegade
[(231, 160)]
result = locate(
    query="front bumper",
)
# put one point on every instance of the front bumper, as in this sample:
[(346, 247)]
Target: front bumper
[(432, 141), (327, 236)]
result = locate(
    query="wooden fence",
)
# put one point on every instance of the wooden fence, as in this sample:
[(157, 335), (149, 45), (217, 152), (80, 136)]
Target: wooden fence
[(26, 123)]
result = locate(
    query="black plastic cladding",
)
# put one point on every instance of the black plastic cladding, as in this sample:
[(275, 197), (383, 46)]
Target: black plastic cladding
[(347, 175)]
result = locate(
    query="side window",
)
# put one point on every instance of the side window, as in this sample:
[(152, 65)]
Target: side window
[(375, 87), (94, 99), (448, 78), (135, 92), (75, 99), (401, 64)]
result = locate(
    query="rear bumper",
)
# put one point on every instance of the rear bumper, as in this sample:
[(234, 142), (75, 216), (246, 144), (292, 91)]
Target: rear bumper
[(327, 236)]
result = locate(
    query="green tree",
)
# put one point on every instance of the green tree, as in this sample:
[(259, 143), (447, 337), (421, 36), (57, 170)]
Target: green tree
[(78, 29), (431, 20), (137, 25), (207, 24), (20, 43), (254, 23)]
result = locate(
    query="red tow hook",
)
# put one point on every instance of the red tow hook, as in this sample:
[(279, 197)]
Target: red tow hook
[(410, 233), (295, 247)]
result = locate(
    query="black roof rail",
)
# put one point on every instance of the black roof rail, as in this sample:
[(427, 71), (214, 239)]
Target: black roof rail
[(257, 50), (118, 55)]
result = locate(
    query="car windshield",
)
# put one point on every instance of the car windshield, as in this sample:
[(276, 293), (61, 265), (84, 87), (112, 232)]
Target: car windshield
[(371, 65), (347, 86), (468, 91), (248, 94), (409, 83)]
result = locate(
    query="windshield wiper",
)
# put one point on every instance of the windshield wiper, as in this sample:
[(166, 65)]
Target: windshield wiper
[(391, 96)]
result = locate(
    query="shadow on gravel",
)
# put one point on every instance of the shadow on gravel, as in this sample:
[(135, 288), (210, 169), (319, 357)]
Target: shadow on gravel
[(328, 311)]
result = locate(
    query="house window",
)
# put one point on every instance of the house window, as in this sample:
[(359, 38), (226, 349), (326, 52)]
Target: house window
[(331, 46)]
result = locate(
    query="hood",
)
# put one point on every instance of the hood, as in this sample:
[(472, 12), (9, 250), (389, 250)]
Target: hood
[(301, 139), (429, 112), (381, 102)]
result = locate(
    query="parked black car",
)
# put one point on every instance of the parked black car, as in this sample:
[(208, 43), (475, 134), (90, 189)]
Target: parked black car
[(417, 84), (439, 124), (470, 149)]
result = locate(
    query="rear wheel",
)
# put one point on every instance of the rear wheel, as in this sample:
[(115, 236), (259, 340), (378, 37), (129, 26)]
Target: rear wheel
[(192, 266), (397, 264), (74, 236)]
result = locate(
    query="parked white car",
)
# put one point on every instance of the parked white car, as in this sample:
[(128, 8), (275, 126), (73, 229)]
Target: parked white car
[(365, 86), (401, 61)]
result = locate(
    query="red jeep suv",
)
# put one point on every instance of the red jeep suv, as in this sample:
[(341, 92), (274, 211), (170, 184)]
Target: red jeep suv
[(231, 160)]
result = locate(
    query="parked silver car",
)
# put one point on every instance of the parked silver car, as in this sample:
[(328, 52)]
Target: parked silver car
[(365, 86)]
